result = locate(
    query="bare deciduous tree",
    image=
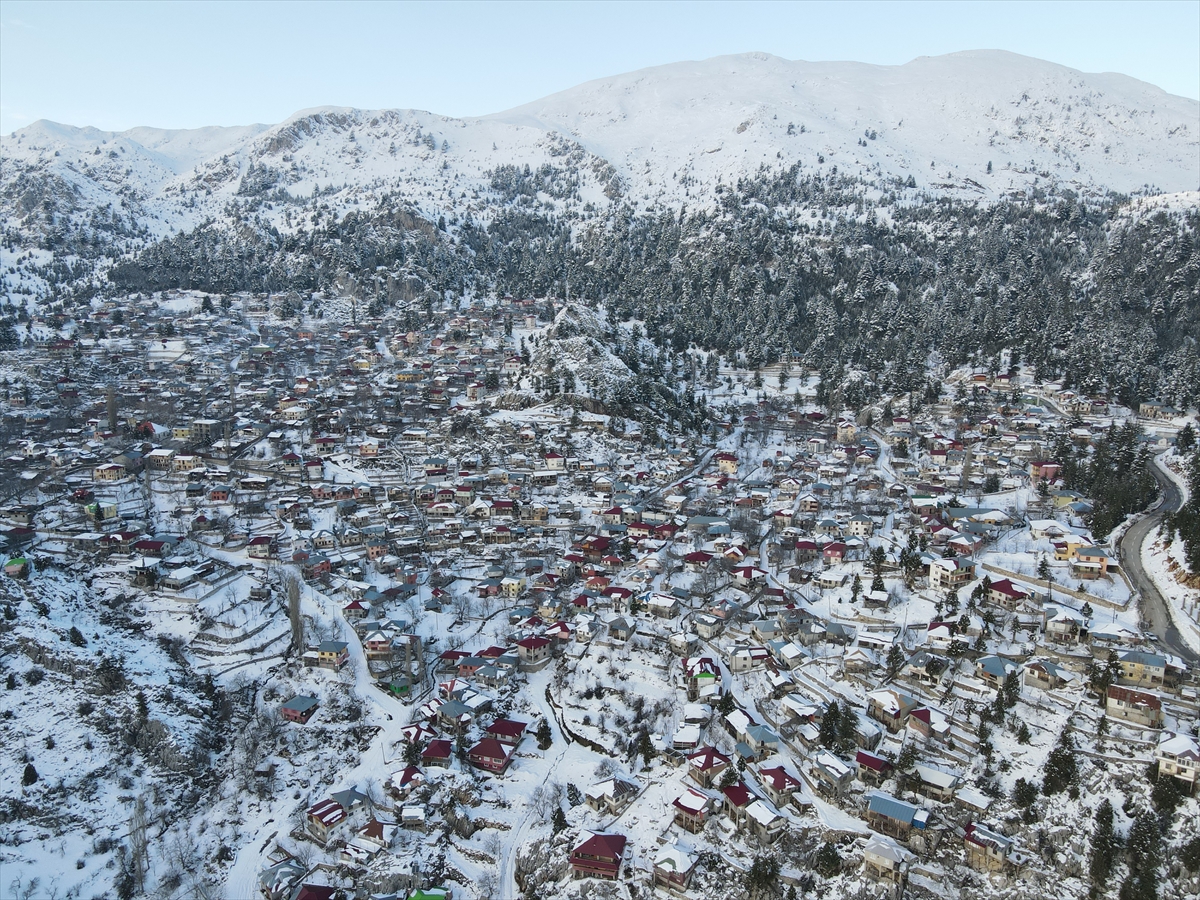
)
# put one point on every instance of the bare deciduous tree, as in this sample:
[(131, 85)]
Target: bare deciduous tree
[(139, 844), (291, 590)]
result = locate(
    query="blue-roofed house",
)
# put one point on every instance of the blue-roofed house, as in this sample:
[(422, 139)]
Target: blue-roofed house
[(893, 817), (994, 669)]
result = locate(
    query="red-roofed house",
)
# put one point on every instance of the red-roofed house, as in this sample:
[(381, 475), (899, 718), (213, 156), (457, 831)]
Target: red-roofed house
[(438, 753), (490, 754), (506, 731), (738, 798), (691, 810), (778, 784), (872, 769), (706, 765), (1006, 594), (1134, 706), (322, 819), (598, 857), (533, 650)]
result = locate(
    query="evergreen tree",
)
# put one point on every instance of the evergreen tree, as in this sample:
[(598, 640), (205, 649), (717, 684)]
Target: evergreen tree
[(544, 736), (646, 748), (828, 862), (762, 877), (847, 727), (1185, 441), (1144, 853), (1025, 793), (1011, 691), (1103, 849), (1166, 795), (412, 753), (895, 661), (830, 725), (1061, 767)]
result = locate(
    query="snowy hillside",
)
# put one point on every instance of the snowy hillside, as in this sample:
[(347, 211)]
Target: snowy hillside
[(665, 135), (172, 180)]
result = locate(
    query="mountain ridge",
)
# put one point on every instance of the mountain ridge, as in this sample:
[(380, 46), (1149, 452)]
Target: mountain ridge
[(940, 119)]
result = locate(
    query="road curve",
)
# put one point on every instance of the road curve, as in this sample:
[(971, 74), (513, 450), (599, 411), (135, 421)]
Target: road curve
[(1153, 607)]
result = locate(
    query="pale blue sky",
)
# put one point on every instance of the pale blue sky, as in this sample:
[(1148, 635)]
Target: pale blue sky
[(174, 65)]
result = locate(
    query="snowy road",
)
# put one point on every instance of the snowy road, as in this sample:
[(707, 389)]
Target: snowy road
[(1153, 606), (508, 860)]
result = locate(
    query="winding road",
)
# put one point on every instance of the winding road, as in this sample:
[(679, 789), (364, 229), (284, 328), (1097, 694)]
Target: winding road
[(1153, 607)]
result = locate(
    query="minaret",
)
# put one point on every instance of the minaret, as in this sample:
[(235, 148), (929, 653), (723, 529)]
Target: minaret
[(112, 408)]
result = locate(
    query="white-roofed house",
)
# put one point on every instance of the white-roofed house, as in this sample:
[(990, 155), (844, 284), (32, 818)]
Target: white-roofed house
[(886, 861), (673, 868), (767, 824), (1178, 755)]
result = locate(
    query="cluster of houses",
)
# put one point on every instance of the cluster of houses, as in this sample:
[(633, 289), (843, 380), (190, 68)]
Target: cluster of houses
[(382, 477)]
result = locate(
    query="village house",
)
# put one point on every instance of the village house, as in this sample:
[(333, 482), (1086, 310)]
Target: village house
[(886, 862), (507, 731), (673, 869), (1134, 706), (1141, 669), (1046, 675), (534, 651), (935, 783), (953, 573), (707, 765), (872, 770), (611, 796), (491, 754), (1178, 755), (299, 709), (1061, 625), (332, 654), (599, 856), (833, 776), (1006, 594), (1091, 563), (437, 753), (779, 785), (323, 820), (890, 708), (893, 817), (765, 823), (987, 850), (691, 809)]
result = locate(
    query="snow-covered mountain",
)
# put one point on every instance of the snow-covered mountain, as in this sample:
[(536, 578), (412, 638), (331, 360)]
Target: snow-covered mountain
[(941, 119), (663, 135)]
